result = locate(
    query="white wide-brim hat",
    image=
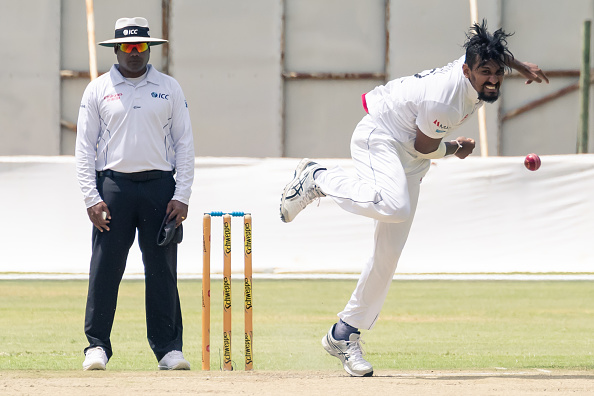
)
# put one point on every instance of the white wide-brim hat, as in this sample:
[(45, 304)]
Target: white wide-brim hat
[(132, 30)]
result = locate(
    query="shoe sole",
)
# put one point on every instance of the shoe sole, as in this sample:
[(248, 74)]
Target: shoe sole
[(179, 366), (298, 171), (94, 366), (327, 344)]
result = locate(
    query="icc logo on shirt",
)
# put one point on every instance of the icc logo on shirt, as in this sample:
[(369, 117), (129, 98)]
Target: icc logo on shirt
[(160, 95)]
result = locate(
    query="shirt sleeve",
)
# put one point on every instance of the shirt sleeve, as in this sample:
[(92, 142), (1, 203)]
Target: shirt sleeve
[(183, 144), (435, 119), (87, 133)]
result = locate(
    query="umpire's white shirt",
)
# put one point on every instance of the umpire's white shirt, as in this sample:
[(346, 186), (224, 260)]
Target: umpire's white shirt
[(133, 128)]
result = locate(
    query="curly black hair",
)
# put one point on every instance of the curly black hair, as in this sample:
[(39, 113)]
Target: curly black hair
[(482, 46)]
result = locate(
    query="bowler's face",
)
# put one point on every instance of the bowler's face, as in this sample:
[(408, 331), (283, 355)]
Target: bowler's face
[(133, 64), (486, 79)]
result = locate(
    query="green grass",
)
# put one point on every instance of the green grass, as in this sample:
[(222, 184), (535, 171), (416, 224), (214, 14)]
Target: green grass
[(424, 325)]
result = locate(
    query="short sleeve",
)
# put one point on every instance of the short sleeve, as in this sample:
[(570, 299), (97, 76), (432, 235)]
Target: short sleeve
[(436, 120)]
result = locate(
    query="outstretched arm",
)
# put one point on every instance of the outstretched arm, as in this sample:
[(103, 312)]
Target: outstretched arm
[(529, 70)]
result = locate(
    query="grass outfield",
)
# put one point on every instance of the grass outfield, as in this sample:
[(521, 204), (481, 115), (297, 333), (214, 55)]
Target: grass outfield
[(424, 325)]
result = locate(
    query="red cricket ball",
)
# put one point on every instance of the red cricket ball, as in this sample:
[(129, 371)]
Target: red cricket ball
[(532, 162)]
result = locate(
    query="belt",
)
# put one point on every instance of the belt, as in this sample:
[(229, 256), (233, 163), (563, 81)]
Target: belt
[(136, 176)]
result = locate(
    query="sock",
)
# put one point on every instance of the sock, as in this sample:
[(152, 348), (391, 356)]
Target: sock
[(343, 330)]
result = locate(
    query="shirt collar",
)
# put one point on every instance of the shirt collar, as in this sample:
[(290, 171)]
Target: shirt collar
[(153, 75)]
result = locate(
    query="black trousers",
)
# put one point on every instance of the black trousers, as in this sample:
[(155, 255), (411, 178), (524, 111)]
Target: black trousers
[(134, 205)]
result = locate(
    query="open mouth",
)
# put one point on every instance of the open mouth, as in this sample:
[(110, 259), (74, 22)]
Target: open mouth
[(491, 88)]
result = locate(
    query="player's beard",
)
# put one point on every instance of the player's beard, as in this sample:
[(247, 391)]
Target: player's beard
[(491, 98), (486, 97)]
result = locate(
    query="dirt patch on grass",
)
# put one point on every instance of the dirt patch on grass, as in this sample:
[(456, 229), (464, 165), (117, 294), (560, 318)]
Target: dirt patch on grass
[(528, 382)]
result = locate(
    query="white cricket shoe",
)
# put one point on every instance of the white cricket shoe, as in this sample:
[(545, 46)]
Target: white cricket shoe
[(349, 352), (95, 359), (301, 191), (174, 360)]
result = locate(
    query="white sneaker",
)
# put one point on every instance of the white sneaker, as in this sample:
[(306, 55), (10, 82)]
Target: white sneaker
[(349, 352), (301, 191), (95, 359), (174, 360)]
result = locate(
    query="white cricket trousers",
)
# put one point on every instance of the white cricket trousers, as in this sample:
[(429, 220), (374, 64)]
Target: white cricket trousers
[(386, 189)]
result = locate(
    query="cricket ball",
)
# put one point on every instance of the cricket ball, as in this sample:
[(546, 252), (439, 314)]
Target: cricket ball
[(532, 162)]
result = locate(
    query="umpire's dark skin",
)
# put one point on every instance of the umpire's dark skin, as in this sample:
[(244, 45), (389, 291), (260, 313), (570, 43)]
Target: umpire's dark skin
[(134, 65)]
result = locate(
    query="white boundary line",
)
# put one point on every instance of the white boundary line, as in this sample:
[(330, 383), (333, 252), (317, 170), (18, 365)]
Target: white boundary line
[(415, 277)]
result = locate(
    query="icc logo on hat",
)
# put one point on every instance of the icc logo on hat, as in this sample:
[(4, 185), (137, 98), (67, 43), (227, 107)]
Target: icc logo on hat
[(132, 30)]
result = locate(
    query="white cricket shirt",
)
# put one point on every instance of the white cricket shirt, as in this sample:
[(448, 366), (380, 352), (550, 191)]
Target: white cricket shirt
[(134, 128), (436, 101)]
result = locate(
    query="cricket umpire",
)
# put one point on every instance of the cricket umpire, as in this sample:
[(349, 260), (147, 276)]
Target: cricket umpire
[(134, 135)]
